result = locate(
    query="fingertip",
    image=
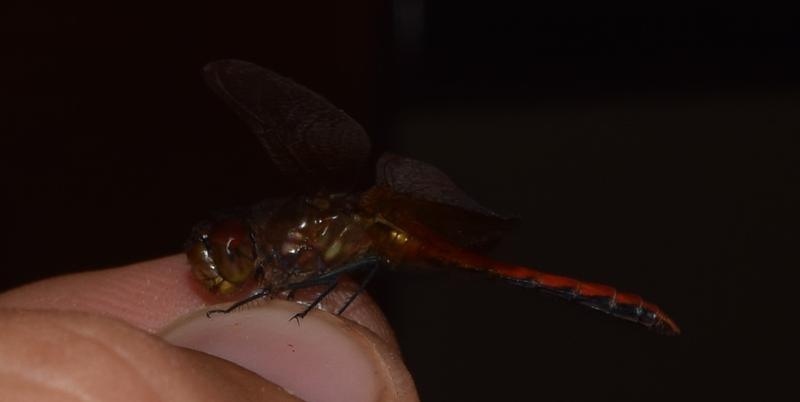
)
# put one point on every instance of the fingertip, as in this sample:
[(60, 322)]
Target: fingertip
[(153, 294)]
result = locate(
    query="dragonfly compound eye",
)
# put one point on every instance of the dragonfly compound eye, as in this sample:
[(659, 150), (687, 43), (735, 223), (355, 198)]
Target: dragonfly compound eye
[(222, 256)]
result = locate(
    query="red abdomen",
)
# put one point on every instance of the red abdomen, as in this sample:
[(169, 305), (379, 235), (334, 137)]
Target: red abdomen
[(423, 245)]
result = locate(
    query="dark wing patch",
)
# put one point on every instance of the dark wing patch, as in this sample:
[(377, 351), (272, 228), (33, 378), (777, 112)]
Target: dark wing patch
[(310, 141), (437, 202), (426, 182)]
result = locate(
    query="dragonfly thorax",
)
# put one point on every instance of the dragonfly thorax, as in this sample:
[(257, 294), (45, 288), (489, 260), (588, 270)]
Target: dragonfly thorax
[(307, 237)]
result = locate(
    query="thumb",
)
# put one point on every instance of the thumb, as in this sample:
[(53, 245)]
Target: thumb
[(67, 356)]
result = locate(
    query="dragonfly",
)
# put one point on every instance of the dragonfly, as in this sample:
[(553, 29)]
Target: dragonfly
[(326, 227)]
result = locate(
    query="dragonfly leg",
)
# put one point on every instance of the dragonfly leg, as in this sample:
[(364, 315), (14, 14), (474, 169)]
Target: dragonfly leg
[(255, 296), (358, 291), (314, 303), (330, 278)]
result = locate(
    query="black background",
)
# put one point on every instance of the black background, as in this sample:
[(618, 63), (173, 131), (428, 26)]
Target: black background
[(647, 148)]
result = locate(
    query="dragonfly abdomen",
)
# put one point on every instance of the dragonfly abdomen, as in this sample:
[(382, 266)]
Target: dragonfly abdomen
[(605, 298)]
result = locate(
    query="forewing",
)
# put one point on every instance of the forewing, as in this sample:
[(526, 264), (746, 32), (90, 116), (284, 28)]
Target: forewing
[(310, 141), (438, 202)]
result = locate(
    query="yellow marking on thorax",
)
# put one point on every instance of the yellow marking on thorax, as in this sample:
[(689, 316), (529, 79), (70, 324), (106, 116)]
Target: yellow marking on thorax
[(333, 250), (398, 237)]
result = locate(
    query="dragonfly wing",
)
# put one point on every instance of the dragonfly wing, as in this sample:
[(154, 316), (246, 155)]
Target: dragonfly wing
[(437, 202), (310, 141), (426, 182)]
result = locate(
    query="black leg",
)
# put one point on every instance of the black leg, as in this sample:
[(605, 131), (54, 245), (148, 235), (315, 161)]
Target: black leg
[(358, 291), (372, 263), (255, 296), (328, 278), (314, 303)]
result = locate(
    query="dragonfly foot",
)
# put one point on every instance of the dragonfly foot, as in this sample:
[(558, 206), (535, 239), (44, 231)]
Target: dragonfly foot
[(257, 295), (298, 316), (211, 312)]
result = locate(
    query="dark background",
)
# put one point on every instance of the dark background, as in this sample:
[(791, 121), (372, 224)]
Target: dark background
[(647, 148)]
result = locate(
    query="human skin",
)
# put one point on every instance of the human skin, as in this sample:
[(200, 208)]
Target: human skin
[(140, 333)]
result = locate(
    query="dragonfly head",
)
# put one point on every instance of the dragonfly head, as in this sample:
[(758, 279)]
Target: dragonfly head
[(222, 255)]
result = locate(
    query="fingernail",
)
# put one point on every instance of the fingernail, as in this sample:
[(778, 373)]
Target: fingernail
[(321, 358)]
